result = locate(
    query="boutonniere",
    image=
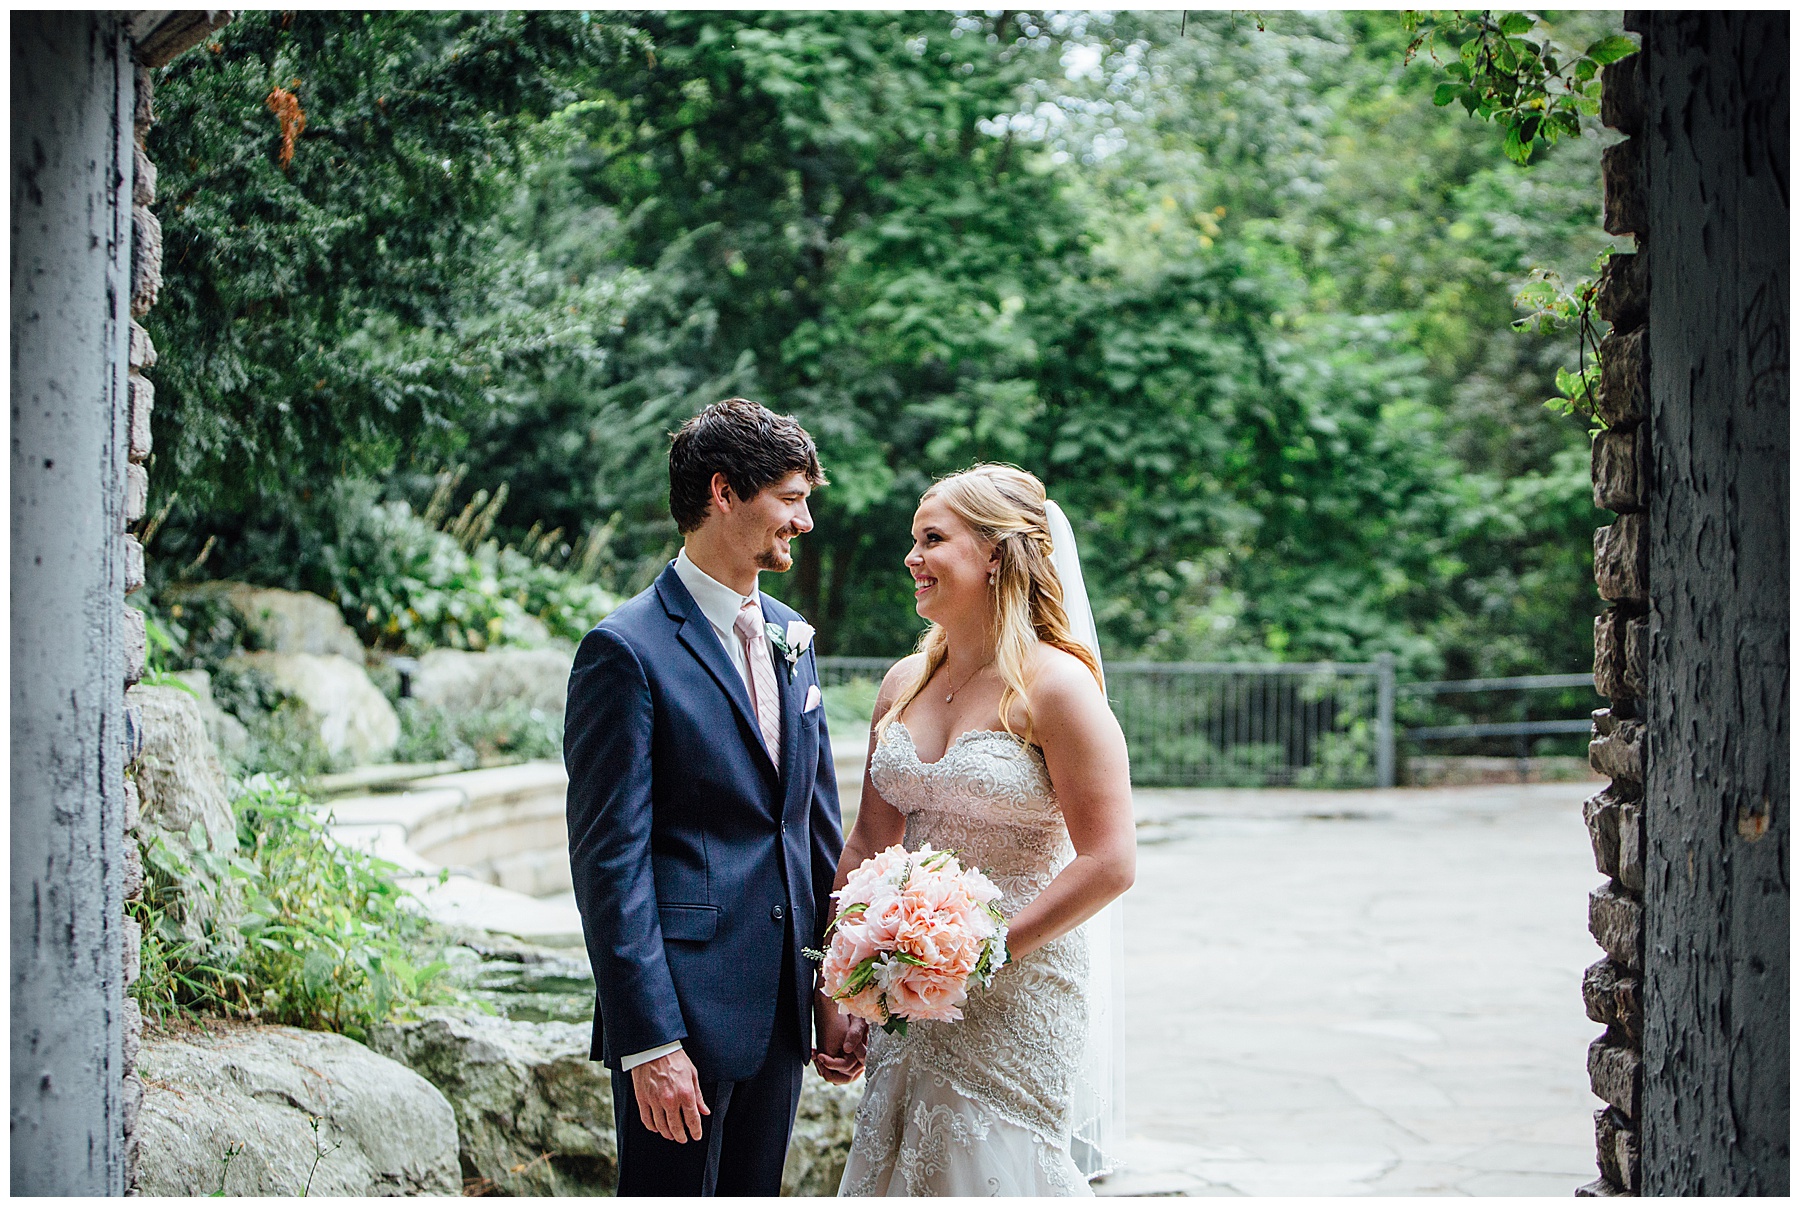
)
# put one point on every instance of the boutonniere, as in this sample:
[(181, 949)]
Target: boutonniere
[(792, 641)]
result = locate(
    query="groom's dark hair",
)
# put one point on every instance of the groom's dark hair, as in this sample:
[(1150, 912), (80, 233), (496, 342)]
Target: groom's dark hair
[(747, 442)]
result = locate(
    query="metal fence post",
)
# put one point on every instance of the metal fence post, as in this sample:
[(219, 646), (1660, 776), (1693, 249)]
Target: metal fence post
[(1384, 720)]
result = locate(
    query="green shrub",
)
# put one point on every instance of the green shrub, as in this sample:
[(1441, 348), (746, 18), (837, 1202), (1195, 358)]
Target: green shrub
[(406, 583), (510, 732), (330, 941)]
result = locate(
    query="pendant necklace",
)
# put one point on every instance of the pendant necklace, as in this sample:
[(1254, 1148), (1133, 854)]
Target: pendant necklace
[(965, 682)]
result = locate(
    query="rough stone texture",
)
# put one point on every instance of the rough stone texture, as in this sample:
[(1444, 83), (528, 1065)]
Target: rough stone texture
[(137, 492), (143, 405), (1624, 296), (821, 1142), (1617, 751), (181, 790), (1617, 1148), (227, 732), (384, 1129), (461, 681), (1716, 988), (1599, 1188), (1631, 846), (71, 88), (1622, 176), (179, 779), (1620, 400), (142, 350), (1618, 475), (1637, 658), (137, 644), (146, 261), (353, 718), (1609, 654), (1614, 1072), (1614, 997), (167, 34), (1602, 816), (533, 1113), (1616, 920), (134, 563), (282, 622), (1621, 96), (1620, 569)]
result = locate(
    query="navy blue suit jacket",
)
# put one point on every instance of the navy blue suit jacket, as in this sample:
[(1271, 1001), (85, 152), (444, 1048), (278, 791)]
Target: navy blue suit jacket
[(694, 856)]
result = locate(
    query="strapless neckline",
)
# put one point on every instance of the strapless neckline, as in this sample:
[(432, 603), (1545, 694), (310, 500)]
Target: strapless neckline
[(958, 741)]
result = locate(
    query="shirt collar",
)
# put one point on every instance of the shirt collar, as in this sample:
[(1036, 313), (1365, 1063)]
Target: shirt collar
[(718, 603)]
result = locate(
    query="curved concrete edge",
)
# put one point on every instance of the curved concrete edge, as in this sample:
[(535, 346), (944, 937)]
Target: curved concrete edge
[(389, 825)]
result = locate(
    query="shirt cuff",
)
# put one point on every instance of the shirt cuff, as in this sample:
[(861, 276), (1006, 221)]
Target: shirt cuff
[(628, 1063)]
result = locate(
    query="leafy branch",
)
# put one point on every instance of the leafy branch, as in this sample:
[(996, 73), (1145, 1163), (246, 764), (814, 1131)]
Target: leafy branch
[(1528, 84), (1556, 307)]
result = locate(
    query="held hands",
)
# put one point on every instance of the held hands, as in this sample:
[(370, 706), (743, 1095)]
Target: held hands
[(843, 1042), (668, 1096)]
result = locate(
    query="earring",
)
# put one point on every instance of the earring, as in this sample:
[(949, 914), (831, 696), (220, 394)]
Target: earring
[(993, 577)]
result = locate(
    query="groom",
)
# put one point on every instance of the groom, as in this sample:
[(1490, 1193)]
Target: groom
[(703, 824)]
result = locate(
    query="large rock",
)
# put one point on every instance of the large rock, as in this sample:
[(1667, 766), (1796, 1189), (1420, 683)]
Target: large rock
[(227, 732), (533, 1113), (461, 681), (281, 1111), (354, 720), (182, 805), (180, 780), (282, 622)]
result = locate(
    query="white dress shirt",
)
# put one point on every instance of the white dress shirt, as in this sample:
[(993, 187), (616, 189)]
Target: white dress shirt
[(720, 605)]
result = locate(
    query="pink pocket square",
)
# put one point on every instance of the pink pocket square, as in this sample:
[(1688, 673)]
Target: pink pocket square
[(813, 698)]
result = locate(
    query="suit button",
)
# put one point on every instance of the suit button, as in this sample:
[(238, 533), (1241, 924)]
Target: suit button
[(777, 913), (784, 827)]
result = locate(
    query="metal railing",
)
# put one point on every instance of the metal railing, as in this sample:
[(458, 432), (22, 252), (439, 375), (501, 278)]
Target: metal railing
[(1305, 724), (1521, 728), (1231, 724)]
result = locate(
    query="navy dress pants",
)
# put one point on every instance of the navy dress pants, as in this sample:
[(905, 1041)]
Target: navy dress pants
[(745, 1139)]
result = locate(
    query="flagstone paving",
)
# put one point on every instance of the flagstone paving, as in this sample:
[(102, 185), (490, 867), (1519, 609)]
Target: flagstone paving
[(1358, 993)]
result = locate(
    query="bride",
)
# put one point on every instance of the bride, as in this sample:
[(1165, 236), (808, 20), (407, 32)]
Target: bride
[(994, 740)]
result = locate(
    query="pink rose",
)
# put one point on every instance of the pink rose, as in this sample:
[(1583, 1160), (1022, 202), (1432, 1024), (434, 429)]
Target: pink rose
[(924, 995), (866, 1004)]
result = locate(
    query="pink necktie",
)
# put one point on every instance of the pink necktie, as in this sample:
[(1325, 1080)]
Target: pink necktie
[(765, 696)]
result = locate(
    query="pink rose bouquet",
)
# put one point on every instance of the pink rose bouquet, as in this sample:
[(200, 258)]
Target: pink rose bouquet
[(914, 931)]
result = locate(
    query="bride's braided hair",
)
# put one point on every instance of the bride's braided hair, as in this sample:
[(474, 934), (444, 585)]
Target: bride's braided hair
[(1005, 505)]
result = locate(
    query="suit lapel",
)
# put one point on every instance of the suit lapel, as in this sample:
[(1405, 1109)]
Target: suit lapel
[(696, 633)]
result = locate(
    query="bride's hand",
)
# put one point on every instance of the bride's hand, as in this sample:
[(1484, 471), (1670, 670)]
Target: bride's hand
[(839, 1056)]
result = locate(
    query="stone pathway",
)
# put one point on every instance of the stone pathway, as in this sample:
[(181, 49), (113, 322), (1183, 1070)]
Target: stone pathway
[(1359, 993)]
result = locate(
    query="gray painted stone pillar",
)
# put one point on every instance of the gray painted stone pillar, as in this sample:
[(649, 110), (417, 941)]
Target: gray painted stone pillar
[(1714, 151), (72, 104)]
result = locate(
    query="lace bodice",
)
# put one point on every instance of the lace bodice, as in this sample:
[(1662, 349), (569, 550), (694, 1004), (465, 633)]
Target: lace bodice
[(944, 1094), (989, 798)]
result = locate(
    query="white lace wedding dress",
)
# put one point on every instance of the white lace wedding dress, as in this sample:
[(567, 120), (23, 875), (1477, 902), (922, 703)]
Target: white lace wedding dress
[(981, 1106)]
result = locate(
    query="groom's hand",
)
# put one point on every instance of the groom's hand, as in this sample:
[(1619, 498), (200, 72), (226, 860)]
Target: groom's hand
[(668, 1096), (839, 1056)]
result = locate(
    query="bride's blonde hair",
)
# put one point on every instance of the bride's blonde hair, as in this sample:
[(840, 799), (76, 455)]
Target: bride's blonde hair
[(1004, 505)]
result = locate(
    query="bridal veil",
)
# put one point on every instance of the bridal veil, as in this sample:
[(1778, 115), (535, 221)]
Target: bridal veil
[(1097, 1101)]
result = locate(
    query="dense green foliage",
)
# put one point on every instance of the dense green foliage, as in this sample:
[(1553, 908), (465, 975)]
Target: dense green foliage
[(327, 942), (1503, 69), (1241, 294)]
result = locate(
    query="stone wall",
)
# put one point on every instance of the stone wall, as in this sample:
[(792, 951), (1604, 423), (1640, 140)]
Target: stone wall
[(1613, 987), (1691, 651)]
